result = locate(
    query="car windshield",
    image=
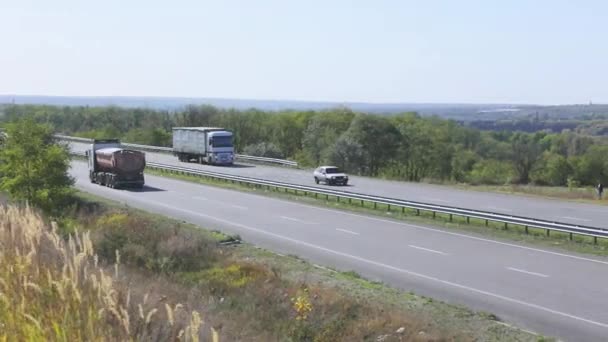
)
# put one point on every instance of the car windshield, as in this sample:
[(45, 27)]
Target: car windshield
[(333, 170)]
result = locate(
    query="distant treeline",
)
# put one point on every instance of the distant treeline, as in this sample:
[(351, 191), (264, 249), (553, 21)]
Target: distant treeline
[(404, 146)]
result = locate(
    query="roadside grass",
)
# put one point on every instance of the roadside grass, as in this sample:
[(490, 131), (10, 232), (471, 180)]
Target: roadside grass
[(53, 289), (583, 195), (259, 295), (515, 233)]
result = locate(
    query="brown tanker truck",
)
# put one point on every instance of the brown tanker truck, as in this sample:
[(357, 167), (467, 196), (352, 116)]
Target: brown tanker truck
[(115, 167)]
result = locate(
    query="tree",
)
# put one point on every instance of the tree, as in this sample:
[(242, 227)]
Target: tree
[(379, 138), (525, 153), (34, 167), (263, 149), (555, 170), (322, 132), (347, 154)]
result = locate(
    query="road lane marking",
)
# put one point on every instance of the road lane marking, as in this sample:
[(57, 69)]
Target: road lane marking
[(295, 220), (499, 209), (382, 265), (576, 218), (347, 231), (343, 213), (527, 272), (200, 198), (239, 207), (432, 199), (290, 218), (428, 250)]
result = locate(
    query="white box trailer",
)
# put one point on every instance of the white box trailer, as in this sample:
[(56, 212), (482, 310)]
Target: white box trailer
[(210, 145)]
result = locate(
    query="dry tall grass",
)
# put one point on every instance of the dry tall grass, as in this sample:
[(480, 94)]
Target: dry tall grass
[(53, 290)]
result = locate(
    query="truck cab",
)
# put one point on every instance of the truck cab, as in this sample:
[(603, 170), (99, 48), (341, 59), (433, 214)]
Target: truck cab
[(220, 147)]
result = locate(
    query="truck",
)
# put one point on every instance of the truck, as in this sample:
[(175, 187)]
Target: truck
[(208, 145), (114, 166)]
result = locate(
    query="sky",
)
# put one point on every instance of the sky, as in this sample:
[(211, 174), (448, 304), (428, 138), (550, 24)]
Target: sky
[(432, 51)]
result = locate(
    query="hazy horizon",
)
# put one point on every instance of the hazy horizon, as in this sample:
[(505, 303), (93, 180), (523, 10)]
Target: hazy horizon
[(385, 52)]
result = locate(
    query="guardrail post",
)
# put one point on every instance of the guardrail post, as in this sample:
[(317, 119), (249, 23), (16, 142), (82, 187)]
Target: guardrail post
[(595, 240), (468, 219), (486, 223), (389, 207), (375, 205), (434, 214), (506, 226), (361, 202), (418, 212), (548, 232), (327, 197), (526, 228), (570, 236), (350, 201), (450, 217)]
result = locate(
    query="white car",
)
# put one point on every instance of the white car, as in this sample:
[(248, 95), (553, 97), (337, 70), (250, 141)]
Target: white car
[(330, 175)]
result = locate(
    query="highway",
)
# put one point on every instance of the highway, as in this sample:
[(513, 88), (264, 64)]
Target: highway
[(533, 207), (547, 291)]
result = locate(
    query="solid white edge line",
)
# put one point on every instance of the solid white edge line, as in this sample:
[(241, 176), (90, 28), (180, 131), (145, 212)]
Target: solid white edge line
[(427, 249), (379, 264), (527, 272)]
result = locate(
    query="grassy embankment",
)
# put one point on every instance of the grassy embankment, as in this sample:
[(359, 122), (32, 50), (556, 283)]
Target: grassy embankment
[(171, 278), (585, 195), (56, 290), (580, 244)]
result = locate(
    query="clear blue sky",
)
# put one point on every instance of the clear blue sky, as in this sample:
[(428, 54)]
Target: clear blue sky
[(511, 51)]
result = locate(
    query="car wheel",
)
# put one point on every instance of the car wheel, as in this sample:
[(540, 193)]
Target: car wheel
[(316, 180)]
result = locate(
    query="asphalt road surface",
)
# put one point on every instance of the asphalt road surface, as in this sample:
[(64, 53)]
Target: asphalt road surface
[(548, 209), (546, 291)]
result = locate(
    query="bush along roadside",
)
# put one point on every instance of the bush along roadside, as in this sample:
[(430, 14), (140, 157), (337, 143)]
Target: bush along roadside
[(249, 294)]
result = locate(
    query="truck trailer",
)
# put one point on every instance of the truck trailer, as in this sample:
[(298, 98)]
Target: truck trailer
[(115, 167), (209, 145)]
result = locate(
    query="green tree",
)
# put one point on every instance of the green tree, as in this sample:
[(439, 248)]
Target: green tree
[(264, 149), (525, 152), (379, 138), (347, 154), (322, 132), (34, 167), (555, 170)]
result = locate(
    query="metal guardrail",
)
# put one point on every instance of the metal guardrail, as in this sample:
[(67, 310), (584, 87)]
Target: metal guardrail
[(170, 150), (526, 222)]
